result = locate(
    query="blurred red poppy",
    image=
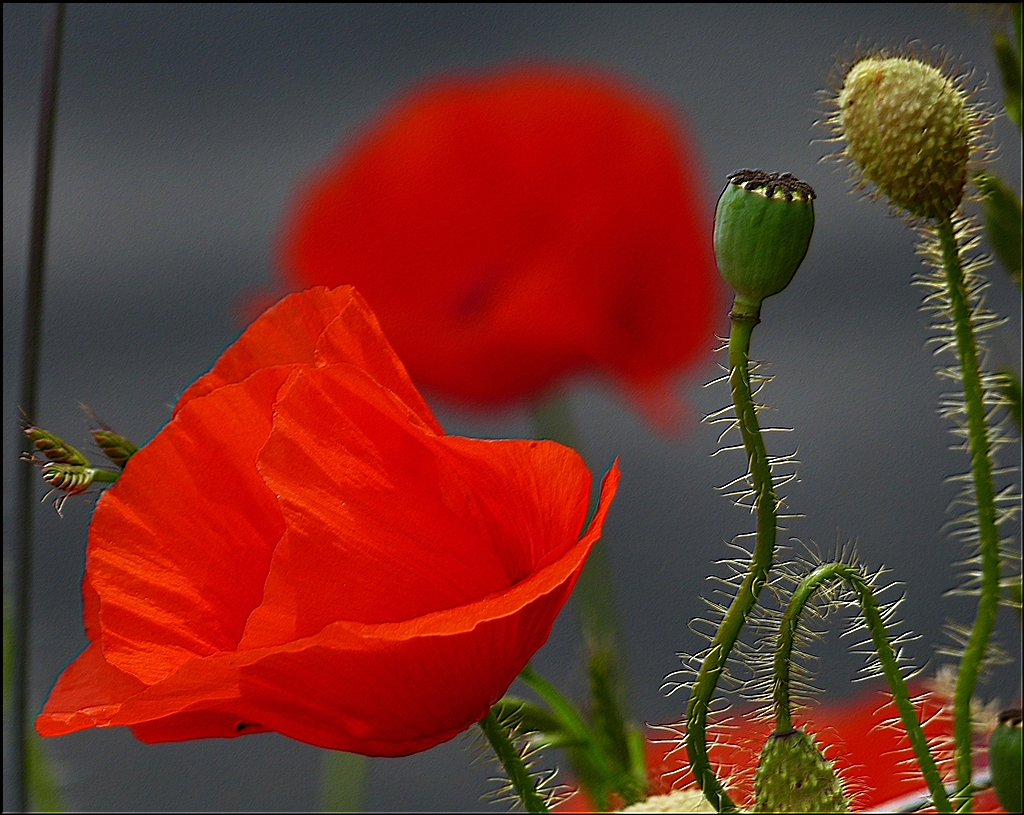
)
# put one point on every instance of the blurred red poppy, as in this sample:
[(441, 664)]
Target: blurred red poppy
[(871, 753), (303, 550), (513, 229)]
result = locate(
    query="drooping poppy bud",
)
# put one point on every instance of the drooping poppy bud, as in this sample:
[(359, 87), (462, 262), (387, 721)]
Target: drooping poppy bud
[(908, 128), (794, 776), (763, 229)]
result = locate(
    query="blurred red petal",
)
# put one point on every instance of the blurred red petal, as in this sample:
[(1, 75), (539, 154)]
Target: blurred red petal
[(513, 229), (863, 736)]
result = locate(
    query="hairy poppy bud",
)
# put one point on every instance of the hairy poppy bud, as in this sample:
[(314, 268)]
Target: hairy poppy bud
[(1004, 759), (763, 228), (793, 776), (908, 128)]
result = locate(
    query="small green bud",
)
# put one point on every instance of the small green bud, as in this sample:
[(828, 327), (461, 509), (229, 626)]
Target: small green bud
[(908, 128), (53, 446), (1004, 759), (793, 776), (763, 228), (114, 446)]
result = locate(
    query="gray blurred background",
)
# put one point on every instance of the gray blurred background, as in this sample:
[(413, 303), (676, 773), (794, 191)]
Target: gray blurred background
[(181, 133)]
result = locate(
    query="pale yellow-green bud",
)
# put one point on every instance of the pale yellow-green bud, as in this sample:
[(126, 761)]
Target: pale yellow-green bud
[(793, 776), (908, 128)]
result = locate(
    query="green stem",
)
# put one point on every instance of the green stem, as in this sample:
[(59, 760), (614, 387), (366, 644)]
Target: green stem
[(988, 536), (594, 598), (744, 318), (106, 476), (581, 734), (886, 657), (512, 761)]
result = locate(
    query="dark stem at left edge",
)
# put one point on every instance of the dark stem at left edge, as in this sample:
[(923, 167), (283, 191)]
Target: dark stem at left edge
[(32, 340)]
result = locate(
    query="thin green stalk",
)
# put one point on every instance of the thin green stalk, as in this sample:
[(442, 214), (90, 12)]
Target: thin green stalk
[(594, 600), (743, 318), (343, 781), (984, 492), (886, 657), (512, 761), (30, 352), (596, 764)]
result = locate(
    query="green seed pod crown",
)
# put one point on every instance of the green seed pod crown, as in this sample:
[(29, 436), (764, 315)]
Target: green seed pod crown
[(763, 228), (908, 128), (793, 776)]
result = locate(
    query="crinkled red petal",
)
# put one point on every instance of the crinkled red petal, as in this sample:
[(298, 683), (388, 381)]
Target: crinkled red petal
[(385, 689)]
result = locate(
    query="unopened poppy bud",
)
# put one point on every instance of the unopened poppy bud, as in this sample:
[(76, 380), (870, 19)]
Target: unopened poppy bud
[(908, 128), (114, 446), (763, 228), (1004, 760), (793, 776)]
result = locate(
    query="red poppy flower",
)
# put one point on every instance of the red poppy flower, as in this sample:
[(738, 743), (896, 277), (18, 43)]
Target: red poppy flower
[(512, 229), (303, 550), (871, 753)]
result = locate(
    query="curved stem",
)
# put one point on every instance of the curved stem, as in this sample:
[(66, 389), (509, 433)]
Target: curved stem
[(984, 493), (512, 761), (743, 318), (886, 657)]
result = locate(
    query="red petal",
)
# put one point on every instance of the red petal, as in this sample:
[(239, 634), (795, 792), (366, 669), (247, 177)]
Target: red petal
[(316, 327), (89, 693), (512, 229), (389, 521), (179, 547), (387, 689)]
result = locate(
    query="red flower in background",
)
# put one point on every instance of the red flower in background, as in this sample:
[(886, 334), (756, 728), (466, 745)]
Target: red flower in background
[(302, 549), (516, 228), (862, 736)]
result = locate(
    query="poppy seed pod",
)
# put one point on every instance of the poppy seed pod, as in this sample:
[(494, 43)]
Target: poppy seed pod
[(793, 776), (908, 128), (763, 228)]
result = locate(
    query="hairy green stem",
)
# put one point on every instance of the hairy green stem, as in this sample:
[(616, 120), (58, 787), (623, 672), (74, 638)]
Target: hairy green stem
[(512, 761), (743, 318), (886, 657), (984, 492)]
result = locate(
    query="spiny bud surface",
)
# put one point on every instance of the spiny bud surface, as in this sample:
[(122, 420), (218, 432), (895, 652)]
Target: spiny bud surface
[(908, 129), (793, 776)]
